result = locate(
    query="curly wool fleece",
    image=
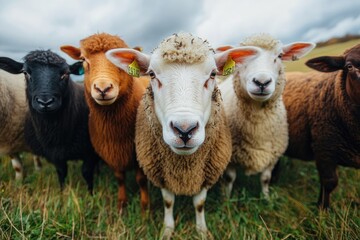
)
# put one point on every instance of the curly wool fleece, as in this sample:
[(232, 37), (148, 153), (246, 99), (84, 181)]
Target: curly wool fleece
[(184, 47)]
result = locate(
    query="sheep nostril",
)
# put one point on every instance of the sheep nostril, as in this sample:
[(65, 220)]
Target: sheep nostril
[(267, 82), (186, 132)]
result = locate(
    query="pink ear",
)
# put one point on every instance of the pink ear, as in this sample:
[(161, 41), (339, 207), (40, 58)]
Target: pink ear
[(297, 50), (223, 48), (239, 55), (123, 57)]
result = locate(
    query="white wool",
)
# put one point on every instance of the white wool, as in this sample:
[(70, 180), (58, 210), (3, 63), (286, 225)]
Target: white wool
[(262, 40), (184, 47), (259, 130), (13, 111)]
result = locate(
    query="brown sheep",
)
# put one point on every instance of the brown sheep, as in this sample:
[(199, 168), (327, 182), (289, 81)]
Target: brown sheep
[(113, 98), (324, 116)]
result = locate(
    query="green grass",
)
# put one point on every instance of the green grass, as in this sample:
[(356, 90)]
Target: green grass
[(331, 50), (36, 209)]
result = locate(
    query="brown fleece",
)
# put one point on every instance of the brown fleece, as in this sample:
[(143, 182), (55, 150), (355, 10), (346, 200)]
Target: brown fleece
[(182, 175), (324, 121)]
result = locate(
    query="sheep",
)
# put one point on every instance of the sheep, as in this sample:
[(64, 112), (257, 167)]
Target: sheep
[(13, 109), (182, 140), (57, 124), (323, 115), (255, 110), (113, 98)]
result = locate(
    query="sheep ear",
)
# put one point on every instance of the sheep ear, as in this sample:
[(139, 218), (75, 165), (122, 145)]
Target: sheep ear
[(77, 68), (226, 61), (295, 51), (223, 48), (326, 64), (131, 61), (72, 51), (11, 65)]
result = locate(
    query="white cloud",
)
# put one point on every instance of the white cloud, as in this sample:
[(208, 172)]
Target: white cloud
[(228, 22), (347, 25), (36, 24)]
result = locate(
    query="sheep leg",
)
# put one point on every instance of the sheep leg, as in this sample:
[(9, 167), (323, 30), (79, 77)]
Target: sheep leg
[(37, 163), (144, 193), (328, 180), (122, 197), (199, 203), (17, 166), (61, 169), (88, 169), (265, 180), (169, 200), (229, 176)]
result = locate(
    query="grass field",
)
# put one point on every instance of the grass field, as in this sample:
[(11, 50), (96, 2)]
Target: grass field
[(36, 209)]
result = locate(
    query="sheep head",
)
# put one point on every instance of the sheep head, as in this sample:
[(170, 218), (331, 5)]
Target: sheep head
[(182, 71), (349, 64), (104, 82), (262, 78), (47, 76)]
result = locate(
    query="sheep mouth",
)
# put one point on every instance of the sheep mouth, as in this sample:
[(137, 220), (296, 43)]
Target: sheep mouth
[(261, 94), (184, 148), (46, 110), (105, 101)]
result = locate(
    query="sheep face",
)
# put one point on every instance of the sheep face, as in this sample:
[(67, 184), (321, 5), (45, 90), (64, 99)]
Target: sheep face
[(45, 86), (182, 100), (259, 76), (103, 81), (349, 63)]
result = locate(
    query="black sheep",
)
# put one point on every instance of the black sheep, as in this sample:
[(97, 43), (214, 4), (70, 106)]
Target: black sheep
[(57, 124)]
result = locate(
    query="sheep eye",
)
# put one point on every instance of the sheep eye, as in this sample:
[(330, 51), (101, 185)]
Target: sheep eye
[(64, 76), (280, 55), (152, 75), (349, 67), (27, 75), (213, 74)]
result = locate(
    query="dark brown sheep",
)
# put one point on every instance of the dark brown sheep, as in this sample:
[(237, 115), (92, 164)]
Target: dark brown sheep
[(324, 116)]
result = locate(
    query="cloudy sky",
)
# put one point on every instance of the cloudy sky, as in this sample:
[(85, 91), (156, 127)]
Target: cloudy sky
[(37, 24)]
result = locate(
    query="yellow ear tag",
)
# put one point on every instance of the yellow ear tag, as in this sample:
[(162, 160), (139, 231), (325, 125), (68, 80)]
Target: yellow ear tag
[(229, 67), (134, 69)]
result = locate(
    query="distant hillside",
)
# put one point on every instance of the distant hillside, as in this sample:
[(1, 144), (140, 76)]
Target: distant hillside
[(345, 38)]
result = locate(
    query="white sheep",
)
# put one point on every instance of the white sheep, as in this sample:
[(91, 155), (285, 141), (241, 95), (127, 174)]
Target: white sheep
[(182, 141), (13, 109), (255, 110)]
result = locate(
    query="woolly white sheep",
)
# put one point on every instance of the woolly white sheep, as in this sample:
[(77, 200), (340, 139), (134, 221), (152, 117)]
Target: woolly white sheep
[(255, 110), (13, 109), (182, 141)]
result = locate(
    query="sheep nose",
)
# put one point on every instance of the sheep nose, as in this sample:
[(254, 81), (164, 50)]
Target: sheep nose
[(184, 130), (103, 90), (45, 101), (262, 83)]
